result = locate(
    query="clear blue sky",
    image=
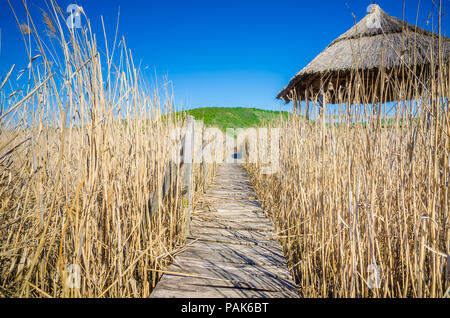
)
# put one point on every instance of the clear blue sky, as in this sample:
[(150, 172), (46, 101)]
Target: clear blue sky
[(219, 53)]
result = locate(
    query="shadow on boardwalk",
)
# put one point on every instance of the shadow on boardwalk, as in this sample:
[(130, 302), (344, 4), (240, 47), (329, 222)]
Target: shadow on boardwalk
[(232, 250)]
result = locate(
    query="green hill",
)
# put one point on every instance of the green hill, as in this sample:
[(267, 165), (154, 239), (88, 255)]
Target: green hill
[(236, 117)]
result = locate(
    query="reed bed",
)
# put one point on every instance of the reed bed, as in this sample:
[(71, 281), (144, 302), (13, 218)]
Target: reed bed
[(82, 150), (360, 201), (86, 144)]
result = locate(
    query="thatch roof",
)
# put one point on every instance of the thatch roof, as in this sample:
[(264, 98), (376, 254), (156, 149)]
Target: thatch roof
[(377, 40)]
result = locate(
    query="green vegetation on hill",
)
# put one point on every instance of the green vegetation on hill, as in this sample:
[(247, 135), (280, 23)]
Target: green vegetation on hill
[(236, 117)]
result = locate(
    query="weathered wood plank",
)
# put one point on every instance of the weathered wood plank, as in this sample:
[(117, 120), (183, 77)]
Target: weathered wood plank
[(233, 240), (218, 194), (215, 269), (231, 187), (225, 205), (186, 290), (258, 283), (199, 231), (233, 215), (237, 254), (217, 223)]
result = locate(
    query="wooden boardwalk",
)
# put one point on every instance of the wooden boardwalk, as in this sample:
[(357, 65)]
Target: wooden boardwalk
[(232, 250)]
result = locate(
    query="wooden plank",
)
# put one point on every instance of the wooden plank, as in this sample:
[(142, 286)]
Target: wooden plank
[(259, 283), (226, 197), (237, 254), (233, 216), (234, 204), (230, 192), (232, 187), (199, 231), (214, 206), (240, 272), (183, 290), (242, 223), (233, 240), (233, 213), (232, 183), (229, 225)]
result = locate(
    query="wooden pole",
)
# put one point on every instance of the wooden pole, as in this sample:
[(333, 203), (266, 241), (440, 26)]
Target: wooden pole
[(320, 105), (204, 163), (294, 99), (323, 103), (188, 157), (307, 104)]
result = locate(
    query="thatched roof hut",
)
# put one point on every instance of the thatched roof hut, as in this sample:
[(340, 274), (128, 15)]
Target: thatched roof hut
[(378, 41)]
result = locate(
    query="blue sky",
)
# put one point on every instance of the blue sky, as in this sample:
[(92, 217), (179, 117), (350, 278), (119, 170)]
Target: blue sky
[(220, 53)]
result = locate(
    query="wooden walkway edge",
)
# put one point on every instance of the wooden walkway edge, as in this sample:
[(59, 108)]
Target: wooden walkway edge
[(232, 251)]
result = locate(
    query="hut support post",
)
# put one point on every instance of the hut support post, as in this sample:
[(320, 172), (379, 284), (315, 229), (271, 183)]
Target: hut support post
[(295, 100), (321, 104), (307, 105)]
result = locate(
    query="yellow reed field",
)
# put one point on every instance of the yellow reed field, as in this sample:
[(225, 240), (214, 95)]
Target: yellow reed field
[(81, 154), (362, 206)]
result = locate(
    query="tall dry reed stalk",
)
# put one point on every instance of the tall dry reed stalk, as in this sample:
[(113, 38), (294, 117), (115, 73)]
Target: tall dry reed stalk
[(367, 197), (81, 153)]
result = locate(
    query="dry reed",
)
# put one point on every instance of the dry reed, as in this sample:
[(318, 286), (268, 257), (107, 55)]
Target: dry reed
[(362, 195), (81, 153)]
